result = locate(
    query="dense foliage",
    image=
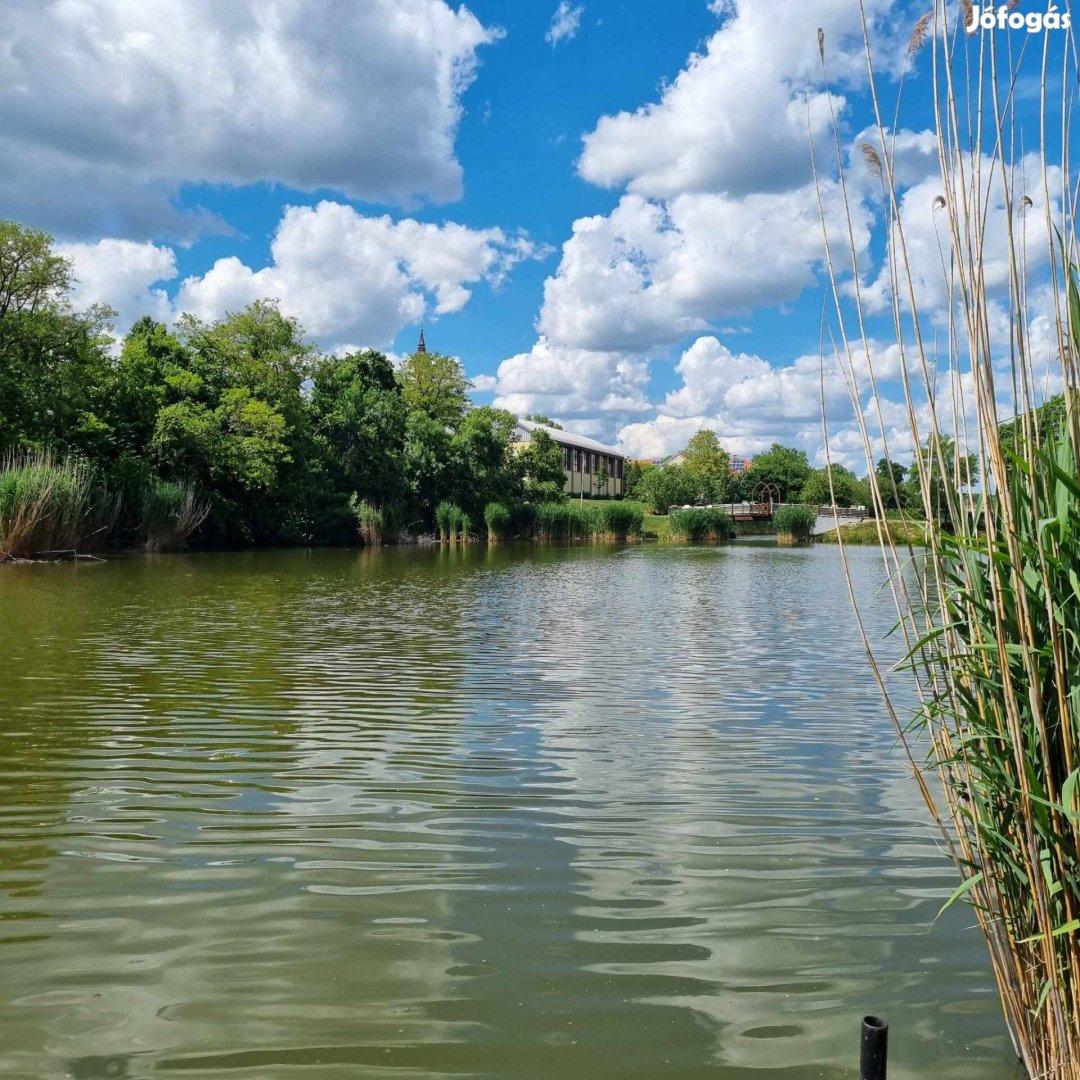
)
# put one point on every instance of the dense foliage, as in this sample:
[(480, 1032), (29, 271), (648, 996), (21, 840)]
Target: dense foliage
[(239, 431)]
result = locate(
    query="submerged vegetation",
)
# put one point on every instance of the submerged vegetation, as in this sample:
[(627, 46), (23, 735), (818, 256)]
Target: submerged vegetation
[(990, 613)]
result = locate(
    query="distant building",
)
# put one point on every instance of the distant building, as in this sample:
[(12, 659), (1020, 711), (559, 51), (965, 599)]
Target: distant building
[(737, 464), (582, 460)]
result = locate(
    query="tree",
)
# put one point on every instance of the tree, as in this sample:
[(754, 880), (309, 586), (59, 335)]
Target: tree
[(846, 489), (783, 466), (633, 471), (436, 385), (488, 468), (704, 454), (662, 488), (961, 471), (542, 469), (602, 478), (32, 275), (890, 480), (359, 417)]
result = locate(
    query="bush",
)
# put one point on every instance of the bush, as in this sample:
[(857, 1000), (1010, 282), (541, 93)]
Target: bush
[(700, 523), (370, 520), (617, 521), (48, 506), (794, 523), (170, 513)]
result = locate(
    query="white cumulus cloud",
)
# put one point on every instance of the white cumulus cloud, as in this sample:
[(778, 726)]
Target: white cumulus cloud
[(123, 102), (347, 277)]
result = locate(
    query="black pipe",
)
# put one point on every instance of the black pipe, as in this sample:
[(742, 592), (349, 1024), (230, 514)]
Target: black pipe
[(873, 1058)]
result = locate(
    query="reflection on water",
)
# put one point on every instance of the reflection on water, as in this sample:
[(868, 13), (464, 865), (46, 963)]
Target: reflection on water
[(542, 812)]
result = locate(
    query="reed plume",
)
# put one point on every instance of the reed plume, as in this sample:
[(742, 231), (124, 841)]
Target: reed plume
[(990, 615)]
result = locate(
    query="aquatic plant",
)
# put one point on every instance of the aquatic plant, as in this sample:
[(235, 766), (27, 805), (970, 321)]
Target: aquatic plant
[(170, 513), (370, 520), (990, 615), (617, 521), (794, 524), (700, 523), (562, 521), (48, 506), (446, 515), (499, 520)]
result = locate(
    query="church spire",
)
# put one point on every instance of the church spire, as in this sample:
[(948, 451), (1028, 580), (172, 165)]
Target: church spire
[(420, 346)]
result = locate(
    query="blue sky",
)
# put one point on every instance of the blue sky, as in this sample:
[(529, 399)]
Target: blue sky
[(604, 208)]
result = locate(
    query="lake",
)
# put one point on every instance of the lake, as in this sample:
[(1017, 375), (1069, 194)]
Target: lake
[(500, 812)]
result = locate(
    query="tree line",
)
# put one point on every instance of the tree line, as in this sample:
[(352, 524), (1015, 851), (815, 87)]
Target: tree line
[(280, 442), (704, 476)]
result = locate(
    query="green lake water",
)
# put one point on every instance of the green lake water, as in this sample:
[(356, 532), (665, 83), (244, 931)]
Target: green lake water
[(507, 812)]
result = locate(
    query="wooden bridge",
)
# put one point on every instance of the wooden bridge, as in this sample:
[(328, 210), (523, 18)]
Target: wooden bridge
[(763, 511)]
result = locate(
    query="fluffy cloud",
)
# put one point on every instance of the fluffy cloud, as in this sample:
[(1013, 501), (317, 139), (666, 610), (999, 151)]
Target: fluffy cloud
[(926, 228), (121, 274), (650, 273), (564, 23), (345, 276), (124, 101), (735, 119), (751, 403), (573, 383)]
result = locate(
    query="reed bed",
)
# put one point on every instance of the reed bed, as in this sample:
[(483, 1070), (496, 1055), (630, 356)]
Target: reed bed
[(48, 506), (794, 524), (499, 519), (370, 521), (990, 613), (701, 524), (562, 521), (618, 521), (170, 513)]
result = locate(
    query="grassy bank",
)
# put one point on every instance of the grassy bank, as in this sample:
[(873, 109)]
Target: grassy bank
[(866, 532)]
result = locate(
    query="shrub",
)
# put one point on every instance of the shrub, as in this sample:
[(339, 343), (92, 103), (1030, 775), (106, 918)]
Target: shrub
[(499, 520), (170, 513), (48, 506), (370, 520), (794, 523), (700, 523)]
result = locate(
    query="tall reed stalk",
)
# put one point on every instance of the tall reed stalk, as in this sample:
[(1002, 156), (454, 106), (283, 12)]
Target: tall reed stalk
[(170, 514), (48, 506), (991, 613)]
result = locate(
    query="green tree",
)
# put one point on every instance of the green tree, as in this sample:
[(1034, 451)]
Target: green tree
[(602, 478), (487, 466), (542, 469), (428, 468), (847, 489), (436, 385), (358, 419), (704, 454), (32, 275), (662, 488), (633, 471), (783, 466), (961, 471), (890, 480)]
